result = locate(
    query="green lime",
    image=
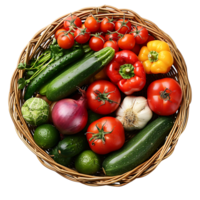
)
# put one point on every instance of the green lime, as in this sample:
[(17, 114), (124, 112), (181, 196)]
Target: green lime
[(46, 136), (87, 162)]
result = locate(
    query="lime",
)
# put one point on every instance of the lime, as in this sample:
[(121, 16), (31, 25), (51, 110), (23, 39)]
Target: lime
[(46, 136), (87, 162)]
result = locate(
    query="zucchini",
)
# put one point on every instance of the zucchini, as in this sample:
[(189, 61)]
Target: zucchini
[(138, 149), (43, 89), (52, 69), (66, 83), (72, 145)]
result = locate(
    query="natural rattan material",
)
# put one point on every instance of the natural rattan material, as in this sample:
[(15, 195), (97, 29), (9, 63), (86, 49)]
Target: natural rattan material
[(41, 40)]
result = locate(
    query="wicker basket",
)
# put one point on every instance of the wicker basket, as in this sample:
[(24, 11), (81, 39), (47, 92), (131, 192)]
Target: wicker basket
[(42, 39)]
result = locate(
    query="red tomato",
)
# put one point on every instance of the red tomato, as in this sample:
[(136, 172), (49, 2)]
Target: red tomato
[(59, 31), (72, 22), (107, 25), (112, 44), (123, 26), (103, 97), (112, 36), (96, 42), (105, 135), (65, 41), (136, 49), (140, 34), (92, 24), (82, 35), (127, 42), (164, 96)]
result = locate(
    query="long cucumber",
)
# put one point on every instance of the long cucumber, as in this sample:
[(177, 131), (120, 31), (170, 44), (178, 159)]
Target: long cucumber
[(139, 148), (43, 89), (78, 74), (52, 69)]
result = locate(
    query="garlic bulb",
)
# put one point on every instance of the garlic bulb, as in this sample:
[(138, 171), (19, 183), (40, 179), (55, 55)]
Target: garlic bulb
[(134, 113)]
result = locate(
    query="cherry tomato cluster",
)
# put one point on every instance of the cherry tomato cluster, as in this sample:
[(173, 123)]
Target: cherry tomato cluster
[(107, 32)]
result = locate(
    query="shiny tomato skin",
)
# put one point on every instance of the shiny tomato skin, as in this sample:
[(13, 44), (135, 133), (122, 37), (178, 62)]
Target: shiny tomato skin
[(68, 23), (107, 26), (112, 44), (142, 35), (112, 36), (96, 43), (136, 49), (113, 141), (127, 42), (65, 41), (81, 38), (59, 31), (96, 104), (157, 104), (92, 24), (123, 29)]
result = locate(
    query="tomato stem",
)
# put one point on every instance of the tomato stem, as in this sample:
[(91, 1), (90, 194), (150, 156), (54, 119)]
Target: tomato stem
[(100, 135), (98, 36), (123, 23), (72, 24), (165, 95), (137, 32), (83, 31), (104, 97), (110, 21)]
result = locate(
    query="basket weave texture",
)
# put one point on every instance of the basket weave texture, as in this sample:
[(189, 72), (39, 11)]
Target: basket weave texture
[(42, 39)]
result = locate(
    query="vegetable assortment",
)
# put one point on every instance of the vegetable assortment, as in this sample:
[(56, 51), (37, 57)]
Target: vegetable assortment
[(81, 95)]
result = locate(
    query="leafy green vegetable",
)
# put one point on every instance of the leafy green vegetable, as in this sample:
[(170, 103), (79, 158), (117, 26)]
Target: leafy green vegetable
[(53, 53), (35, 111)]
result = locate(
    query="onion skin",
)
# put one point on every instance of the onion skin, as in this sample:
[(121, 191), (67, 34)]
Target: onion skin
[(70, 116)]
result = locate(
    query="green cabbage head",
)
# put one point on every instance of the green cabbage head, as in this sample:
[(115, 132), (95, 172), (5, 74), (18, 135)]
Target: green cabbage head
[(35, 111)]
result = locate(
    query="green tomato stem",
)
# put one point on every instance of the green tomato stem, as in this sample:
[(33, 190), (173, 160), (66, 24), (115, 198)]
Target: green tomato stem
[(100, 135)]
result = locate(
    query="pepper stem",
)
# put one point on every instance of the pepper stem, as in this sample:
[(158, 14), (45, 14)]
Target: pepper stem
[(153, 56), (127, 71)]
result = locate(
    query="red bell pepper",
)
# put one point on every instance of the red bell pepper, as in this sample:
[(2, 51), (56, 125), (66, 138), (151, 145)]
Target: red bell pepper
[(126, 71)]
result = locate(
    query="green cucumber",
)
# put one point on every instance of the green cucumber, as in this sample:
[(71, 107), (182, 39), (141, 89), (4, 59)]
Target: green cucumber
[(52, 69), (43, 89), (138, 149), (63, 160), (66, 83), (72, 145)]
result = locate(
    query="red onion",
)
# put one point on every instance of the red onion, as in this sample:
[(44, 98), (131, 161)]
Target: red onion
[(70, 116)]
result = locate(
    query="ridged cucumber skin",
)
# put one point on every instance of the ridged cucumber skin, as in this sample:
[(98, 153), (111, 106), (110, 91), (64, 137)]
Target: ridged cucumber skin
[(77, 75), (138, 149)]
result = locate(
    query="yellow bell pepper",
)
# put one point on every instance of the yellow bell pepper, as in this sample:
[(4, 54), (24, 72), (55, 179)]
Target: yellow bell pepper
[(156, 57)]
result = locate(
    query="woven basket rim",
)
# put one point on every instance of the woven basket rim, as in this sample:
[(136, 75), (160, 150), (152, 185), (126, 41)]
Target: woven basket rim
[(15, 100)]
